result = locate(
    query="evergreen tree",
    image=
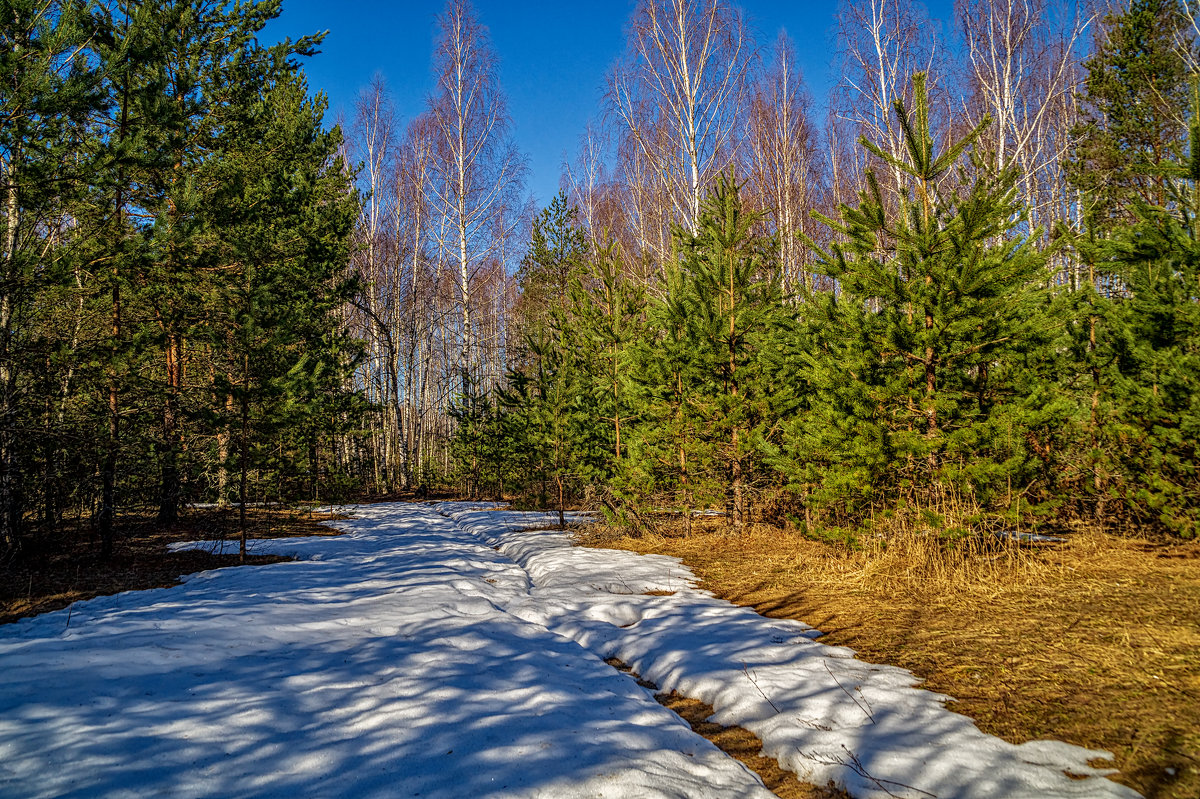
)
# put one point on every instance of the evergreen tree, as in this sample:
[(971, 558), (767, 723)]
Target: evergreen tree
[(671, 459), (602, 322), (1146, 419), (732, 299), (1133, 327), (551, 414), (555, 260), (698, 392), (1135, 107), (47, 94), (918, 363), (286, 211)]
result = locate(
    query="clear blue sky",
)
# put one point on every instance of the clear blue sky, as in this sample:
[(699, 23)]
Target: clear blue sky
[(554, 55)]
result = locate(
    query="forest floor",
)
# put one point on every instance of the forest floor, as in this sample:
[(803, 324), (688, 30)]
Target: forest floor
[(453, 649), (1095, 642), (53, 571)]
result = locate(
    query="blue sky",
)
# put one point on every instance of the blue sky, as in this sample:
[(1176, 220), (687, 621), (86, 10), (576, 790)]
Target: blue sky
[(553, 58)]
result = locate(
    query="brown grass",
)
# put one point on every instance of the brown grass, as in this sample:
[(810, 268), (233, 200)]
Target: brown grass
[(1095, 642), (737, 742), (55, 570)]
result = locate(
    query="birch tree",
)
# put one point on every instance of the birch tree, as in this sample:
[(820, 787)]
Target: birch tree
[(783, 159), (477, 169), (883, 44), (1024, 65), (679, 94), (376, 261)]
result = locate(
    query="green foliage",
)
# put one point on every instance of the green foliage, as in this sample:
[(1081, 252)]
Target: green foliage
[(920, 363), (1136, 327), (1136, 94), (554, 261), (181, 223), (727, 300), (599, 328)]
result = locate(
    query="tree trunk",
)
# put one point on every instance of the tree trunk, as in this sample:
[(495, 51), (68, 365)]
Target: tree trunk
[(562, 503), (243, 465), (739, 501), (108, 470), (9, 518), (168, 508)]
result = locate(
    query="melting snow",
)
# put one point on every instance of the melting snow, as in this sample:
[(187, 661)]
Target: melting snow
[(446, 651)]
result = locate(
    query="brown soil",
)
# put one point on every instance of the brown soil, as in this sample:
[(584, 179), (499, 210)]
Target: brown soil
[(52, 571), (1095, 642), (737, 742)]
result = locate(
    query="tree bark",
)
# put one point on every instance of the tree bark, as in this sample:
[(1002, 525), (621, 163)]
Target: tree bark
[(168, 508)]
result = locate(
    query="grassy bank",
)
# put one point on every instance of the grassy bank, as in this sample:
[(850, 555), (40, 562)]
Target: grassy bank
[(1095, 641)]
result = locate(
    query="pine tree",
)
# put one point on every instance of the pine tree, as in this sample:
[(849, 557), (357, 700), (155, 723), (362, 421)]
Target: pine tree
[(1149, 418), (548, 405), (603, 320), (556, 257), (671, 457), (733, 297), (918, 362), (285, 219), (1133, 327), (1135, 106), (47, 93)]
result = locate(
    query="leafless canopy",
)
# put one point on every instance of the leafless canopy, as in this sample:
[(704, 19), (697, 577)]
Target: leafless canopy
[(678, 97)]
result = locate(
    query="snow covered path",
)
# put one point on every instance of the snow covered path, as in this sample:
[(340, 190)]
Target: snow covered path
[(439, 651)]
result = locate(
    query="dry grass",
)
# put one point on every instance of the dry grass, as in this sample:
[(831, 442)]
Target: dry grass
[(1095, 641), (737, 742), (54, 571)]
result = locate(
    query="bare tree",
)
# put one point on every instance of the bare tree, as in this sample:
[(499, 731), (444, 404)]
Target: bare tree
[(783, 160), (586, 183), (678, 97), (883, 44), (375, 261), (1024, 59), (476, 168)]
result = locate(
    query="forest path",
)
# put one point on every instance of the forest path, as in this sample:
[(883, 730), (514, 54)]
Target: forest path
[(379, 665), (441, 651)]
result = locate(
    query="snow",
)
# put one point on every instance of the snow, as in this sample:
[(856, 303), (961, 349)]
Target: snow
[(445, 650)]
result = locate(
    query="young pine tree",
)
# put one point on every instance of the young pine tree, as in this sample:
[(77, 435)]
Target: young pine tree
[(603, 321), (918, 361), (733, 301), (1151, 412), (702, 389)]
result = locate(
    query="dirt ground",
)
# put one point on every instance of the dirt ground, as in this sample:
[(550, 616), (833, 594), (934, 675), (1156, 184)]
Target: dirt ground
[(53, 571), (1095, 641), (737, 742)]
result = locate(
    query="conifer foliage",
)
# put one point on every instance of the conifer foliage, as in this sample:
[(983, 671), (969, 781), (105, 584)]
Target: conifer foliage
[(1138, 330), (917, 363), (177, 219)]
